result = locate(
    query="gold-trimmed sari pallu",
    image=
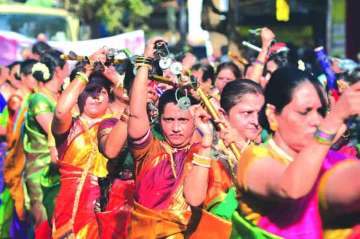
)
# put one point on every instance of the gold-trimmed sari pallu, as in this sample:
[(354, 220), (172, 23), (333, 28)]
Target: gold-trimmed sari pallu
[(197, 224), (149, 223), (171, 220), (80, 166), (160, 210)]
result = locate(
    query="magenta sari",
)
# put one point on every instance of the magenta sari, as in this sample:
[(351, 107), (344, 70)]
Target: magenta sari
[(290, 219), (301, 218)]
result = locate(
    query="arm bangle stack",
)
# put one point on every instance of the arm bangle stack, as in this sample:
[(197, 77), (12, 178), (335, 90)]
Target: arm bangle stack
[(143, 61), (324, 137), (201, 161)]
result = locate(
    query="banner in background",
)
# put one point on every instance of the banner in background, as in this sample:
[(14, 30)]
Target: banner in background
[(13, 45), (134, 41)]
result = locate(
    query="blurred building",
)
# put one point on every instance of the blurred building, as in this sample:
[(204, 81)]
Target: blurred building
[(331, 23)]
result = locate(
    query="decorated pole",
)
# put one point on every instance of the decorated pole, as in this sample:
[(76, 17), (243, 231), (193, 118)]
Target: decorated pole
[(162, 79), (214, 114), (110, 56)]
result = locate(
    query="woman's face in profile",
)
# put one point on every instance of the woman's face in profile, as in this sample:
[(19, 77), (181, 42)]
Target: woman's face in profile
[(300, 118)]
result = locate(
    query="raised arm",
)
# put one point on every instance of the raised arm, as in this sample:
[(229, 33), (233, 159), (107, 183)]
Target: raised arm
[(68, 99), (139, 122), (298, 178), (267, 36), (196, 182)]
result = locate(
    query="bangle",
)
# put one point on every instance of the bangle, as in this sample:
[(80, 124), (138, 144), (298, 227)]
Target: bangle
[(201, 161), (324, 137), (259, 62), (82, 77), (138, 65), (142, 59)]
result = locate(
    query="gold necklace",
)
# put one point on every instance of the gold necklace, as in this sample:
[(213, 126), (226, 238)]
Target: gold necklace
[(280, 151), (170, 150)]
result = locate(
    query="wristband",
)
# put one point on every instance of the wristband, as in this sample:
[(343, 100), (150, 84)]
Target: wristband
[(259, 62), (201, 161), (138, 65), (324, 137)]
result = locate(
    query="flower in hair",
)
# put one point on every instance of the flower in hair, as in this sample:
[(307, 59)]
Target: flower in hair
[(41, 68)]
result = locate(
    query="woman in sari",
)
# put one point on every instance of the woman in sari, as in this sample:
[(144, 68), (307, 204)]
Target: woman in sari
[(279, 180), (283, 180), (80, 162), (116, 200), (41, 178), (213, 186)]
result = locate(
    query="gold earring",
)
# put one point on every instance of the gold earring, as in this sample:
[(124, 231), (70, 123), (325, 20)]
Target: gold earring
[(273, 126), (267, 111)]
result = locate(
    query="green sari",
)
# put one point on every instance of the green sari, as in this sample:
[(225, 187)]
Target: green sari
[(6, 202), (42, 181), (223, 197), (4, 116)]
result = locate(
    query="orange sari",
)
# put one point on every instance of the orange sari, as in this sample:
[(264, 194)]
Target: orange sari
[(80, 164), (14, 162)]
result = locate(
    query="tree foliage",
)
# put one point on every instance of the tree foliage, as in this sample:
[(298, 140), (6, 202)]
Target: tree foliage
[(117, 15)]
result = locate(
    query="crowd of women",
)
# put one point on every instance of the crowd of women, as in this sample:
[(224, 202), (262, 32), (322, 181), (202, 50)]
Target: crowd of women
[(137, 150)]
